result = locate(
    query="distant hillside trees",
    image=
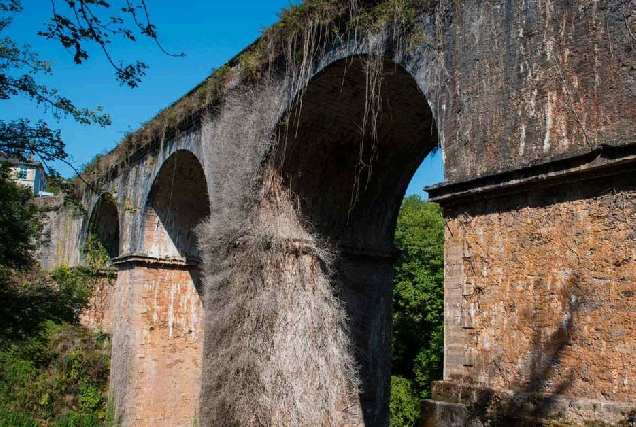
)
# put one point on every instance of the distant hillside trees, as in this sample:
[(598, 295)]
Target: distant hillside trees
[(19, 226)]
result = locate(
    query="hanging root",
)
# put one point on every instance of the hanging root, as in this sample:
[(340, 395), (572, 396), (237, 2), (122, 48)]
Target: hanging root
[(280, 353), (277, 349), (368, 149)]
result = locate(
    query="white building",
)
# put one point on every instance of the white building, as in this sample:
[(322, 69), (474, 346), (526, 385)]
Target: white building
[(29, 173)]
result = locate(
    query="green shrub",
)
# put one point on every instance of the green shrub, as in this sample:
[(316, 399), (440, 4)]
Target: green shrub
[(75, 419), (10, 418), (97, 257), (53, 371), (70, 389), (405, 403), (75, 286)]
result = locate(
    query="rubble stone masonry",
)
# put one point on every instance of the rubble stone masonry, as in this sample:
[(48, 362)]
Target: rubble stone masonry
[(540, 297), (157, 342)]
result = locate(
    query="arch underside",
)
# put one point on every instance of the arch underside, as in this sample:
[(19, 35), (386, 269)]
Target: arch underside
[(350, 174), (347, 158), (177, 203), (104, 222)]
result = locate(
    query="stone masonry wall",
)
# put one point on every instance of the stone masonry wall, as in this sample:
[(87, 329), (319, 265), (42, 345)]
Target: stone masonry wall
[(527, 81), (541, 292), (157, 344), (101, 307), (61, 234)]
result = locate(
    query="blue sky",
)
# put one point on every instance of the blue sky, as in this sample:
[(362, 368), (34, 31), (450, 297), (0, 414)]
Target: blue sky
[(209, 32)]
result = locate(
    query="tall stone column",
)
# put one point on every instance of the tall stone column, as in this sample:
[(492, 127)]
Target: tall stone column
[(156, 345), (364, 279), (297, 328)]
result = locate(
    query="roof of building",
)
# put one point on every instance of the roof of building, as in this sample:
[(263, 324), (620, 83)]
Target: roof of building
[(16, 161)]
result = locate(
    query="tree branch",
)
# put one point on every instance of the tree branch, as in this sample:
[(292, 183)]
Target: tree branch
[(82, 23)]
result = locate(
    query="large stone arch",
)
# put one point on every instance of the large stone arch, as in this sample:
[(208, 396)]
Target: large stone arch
[(349, 176), (330, 158), (101, 240), (318, 250)]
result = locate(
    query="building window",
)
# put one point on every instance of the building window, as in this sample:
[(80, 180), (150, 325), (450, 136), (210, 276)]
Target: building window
[(22, 172)]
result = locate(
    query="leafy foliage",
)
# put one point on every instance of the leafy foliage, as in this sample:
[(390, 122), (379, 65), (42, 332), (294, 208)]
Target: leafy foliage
[(52, 370), (19, 226), (50, 367), (84, 21), (55, 183), (418, 305), (58, 374), (29, 295), (404, 405), (97, 257)]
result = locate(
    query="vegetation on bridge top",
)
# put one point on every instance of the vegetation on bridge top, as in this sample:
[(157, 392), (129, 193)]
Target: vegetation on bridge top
[(303, 31)]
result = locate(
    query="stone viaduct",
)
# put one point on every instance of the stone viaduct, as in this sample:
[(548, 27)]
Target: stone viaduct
[(251, 223)]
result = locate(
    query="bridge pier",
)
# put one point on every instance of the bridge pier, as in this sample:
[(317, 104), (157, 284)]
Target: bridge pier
[(157, 342), (364, 279)]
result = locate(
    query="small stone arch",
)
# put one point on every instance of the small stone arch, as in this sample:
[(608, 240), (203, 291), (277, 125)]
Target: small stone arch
[(166, 277), (104, 224)]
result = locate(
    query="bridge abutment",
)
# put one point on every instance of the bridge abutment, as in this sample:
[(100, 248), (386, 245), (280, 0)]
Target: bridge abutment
[(539, 294)]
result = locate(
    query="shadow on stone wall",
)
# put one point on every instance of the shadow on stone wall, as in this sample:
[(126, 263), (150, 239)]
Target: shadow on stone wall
[(564, 255), (529, 401), (104, 223), (177, 202)]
